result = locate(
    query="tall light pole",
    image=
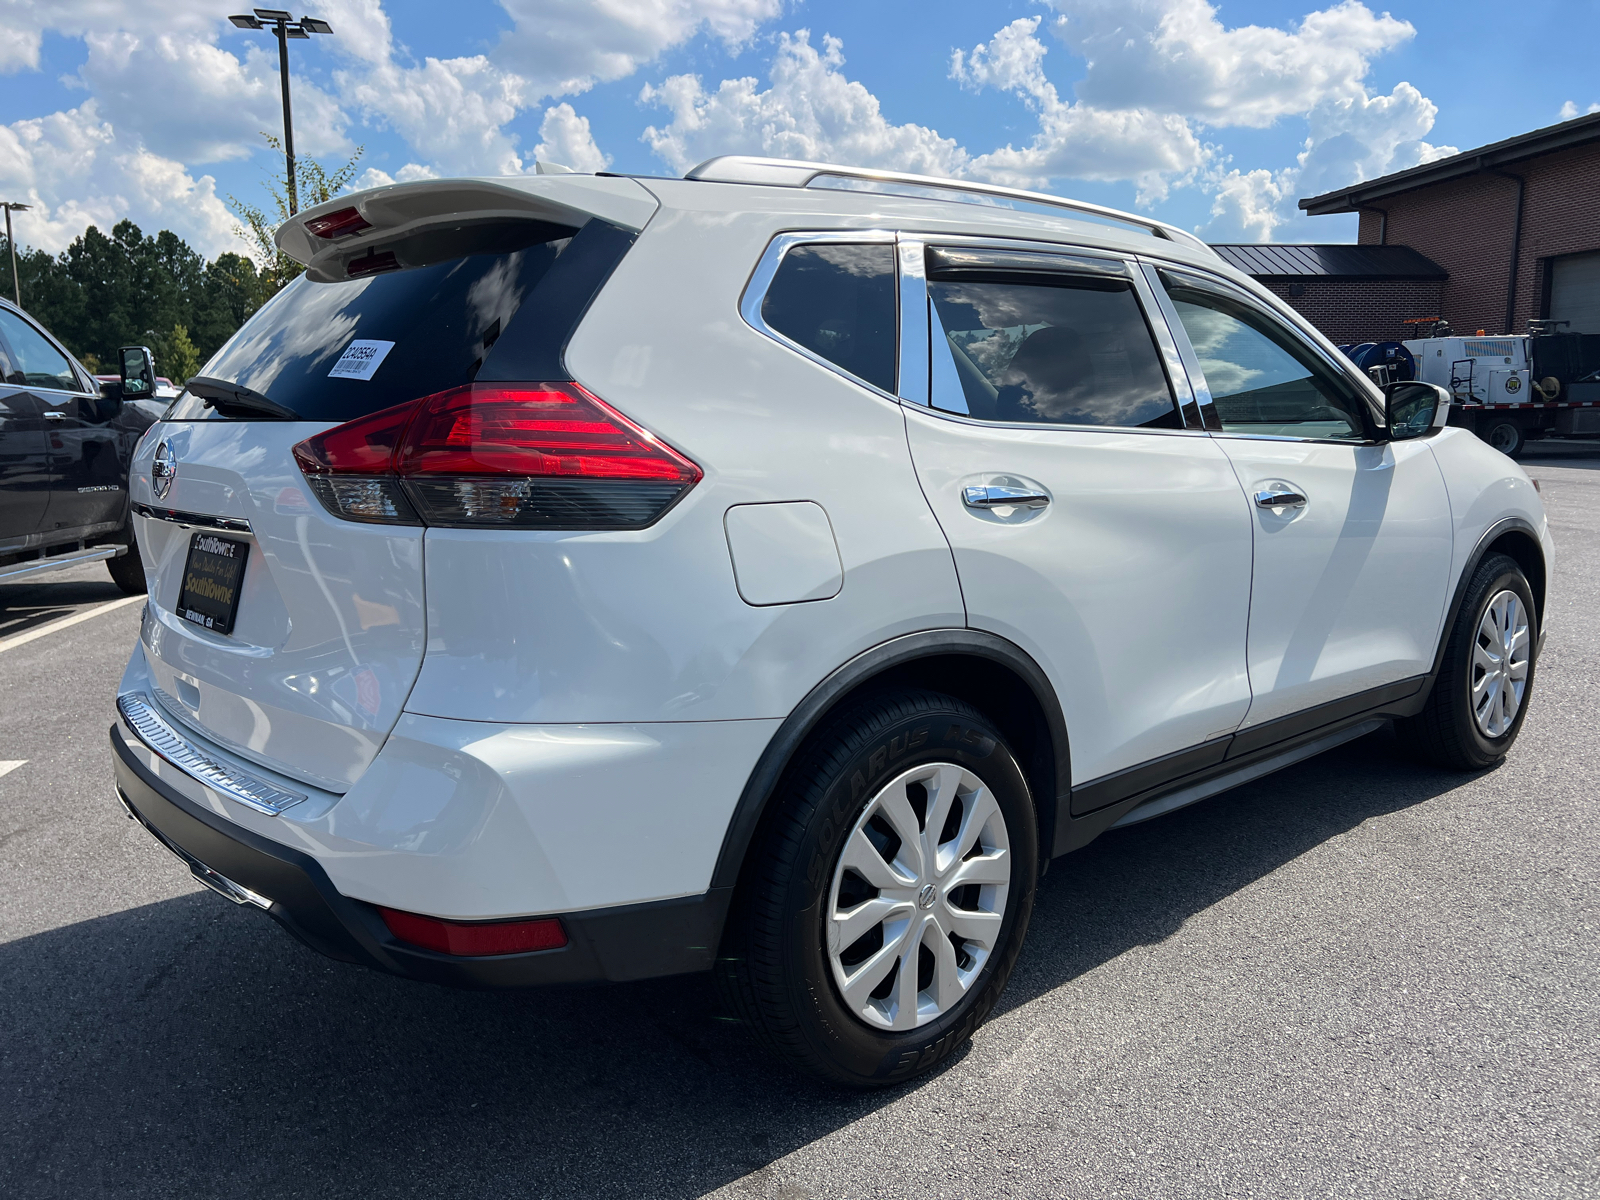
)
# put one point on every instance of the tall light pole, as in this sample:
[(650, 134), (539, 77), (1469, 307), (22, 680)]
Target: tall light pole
[(11, 243), (285, 27)]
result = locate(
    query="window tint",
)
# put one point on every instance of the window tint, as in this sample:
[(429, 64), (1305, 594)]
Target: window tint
[(404, 333), (838, 302), (1070, 352), (38, 363), (1257, 383)]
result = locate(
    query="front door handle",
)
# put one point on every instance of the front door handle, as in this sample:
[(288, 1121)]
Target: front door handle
[(1003, 497), (1277, 495), (52, 415)]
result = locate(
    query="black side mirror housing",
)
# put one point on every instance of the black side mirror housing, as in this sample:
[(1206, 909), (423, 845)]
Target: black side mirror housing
[(138, 372), (1413, 409)]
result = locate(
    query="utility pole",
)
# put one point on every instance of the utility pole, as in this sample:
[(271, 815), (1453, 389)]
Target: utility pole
[(11, 244), (283, 25)]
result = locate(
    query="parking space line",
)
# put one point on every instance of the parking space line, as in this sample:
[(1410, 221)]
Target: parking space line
[(22, 639), (8, 765)]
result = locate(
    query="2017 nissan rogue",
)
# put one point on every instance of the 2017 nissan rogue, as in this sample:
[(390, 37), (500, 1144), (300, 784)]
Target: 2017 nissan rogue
[(582, 577)]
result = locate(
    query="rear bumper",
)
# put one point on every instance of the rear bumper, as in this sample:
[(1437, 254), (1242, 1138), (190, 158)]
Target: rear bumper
[(635, 941)]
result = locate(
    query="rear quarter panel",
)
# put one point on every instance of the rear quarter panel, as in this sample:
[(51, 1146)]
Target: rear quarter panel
[(649, 625)]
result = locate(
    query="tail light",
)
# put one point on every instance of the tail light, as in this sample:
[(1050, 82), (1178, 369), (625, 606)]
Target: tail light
[(338, 224), (475, 938), (524, 456)]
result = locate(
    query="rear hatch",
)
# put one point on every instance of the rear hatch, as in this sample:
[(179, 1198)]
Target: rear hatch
[(276, 628)]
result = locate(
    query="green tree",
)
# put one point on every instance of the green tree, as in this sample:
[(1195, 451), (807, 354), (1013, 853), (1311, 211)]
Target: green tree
[(176, 356), (314, 184)]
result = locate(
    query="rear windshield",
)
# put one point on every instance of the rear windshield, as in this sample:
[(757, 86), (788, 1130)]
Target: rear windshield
[(333, 351)]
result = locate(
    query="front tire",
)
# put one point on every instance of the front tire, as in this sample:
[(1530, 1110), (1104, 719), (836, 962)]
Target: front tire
[(1479, 700), (883, 909)]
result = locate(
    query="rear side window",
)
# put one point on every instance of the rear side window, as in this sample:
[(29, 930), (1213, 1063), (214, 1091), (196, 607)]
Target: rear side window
[(38, 363), (340, 348), (838, 302), (1061, 350)]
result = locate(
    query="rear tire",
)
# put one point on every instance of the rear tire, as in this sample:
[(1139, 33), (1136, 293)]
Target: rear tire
[(1476, 708), (127, 570), (1506, 437), (905, 761)]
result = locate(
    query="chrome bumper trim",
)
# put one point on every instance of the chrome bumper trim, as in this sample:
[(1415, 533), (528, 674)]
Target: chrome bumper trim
[(153, 730), (177, 516), (215, 880)]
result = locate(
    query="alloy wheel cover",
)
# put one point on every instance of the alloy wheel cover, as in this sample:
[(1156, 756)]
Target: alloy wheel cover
[(1499, 674), (918, 897)]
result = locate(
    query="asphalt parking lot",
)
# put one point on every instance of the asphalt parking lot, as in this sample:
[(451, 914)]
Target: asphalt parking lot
[(1359, 977)]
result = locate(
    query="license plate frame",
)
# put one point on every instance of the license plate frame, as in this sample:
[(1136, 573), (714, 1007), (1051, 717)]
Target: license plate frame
[(213, 581)]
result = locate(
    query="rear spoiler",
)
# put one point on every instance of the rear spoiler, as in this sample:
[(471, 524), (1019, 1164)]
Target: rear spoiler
[(362, 220)]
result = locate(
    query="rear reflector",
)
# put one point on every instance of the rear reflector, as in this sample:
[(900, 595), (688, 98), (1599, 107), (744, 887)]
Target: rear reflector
[(475, 938), (529, 456), (338, 224)]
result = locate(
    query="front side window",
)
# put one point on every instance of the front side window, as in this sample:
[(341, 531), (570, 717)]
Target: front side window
[(1056, 350), (838, 302), (1258, 383), (38, 363)]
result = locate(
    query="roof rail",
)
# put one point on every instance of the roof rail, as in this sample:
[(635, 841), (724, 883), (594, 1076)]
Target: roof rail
[(787, 172)]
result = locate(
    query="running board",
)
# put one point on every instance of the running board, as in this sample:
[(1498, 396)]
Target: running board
[(37, 566), (1194, 793)]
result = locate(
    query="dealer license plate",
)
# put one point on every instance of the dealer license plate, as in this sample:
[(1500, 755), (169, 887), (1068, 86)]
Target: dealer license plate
[(211, 581)]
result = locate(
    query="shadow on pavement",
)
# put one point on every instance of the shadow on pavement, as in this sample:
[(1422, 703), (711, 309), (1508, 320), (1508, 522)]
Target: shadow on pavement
[(188, 1046)]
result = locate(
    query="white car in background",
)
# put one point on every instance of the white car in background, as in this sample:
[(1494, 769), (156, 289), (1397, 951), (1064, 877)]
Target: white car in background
[(580, 577)]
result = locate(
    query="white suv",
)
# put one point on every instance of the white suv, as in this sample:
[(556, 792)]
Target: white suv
[(583, 577)]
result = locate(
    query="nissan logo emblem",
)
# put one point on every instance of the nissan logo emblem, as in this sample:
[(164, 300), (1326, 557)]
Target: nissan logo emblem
[(162, 469)]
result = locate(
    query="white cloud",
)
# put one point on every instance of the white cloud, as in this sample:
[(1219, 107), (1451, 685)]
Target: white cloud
[(77, 169), (811, 111), (567, 141), (183, 86), (373, 177), (1077, 141), (1570, 110), (1175, 56), (566, 46)]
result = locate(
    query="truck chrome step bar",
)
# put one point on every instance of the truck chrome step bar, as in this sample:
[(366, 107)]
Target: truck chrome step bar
[(38, 566)]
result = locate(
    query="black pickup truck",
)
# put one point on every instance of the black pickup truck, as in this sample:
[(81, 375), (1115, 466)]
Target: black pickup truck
[(65, 443)]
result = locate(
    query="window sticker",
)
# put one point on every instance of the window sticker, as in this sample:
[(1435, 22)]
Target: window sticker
[(360, 359)]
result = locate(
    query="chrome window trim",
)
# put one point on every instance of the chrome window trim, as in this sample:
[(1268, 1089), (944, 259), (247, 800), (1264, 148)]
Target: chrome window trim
[(1123, 267), (915, 377), (980, 423), (766, 268), (160, 738), (178, 517)]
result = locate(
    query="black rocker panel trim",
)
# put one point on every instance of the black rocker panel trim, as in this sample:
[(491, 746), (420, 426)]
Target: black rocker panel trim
[(1190, 766), (635, 941), (1272, 734), (906, 649), (1108, 789), (1401, 699)]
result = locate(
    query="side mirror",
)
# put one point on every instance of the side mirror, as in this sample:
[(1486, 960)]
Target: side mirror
[(1413, 408), (138, 373)]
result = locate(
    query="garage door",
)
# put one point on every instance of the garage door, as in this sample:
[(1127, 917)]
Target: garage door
[(1575, 292)]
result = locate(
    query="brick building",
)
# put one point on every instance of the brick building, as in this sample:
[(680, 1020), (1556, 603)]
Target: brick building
[(1351, 293), (1515, 224)]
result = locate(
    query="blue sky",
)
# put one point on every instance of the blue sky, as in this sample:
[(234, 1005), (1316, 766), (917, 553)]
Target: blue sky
[(1214, 116)]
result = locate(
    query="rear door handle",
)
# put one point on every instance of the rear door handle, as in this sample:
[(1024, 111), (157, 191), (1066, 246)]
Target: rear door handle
[(1003, 497), (52, 415), (1278, 496)]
